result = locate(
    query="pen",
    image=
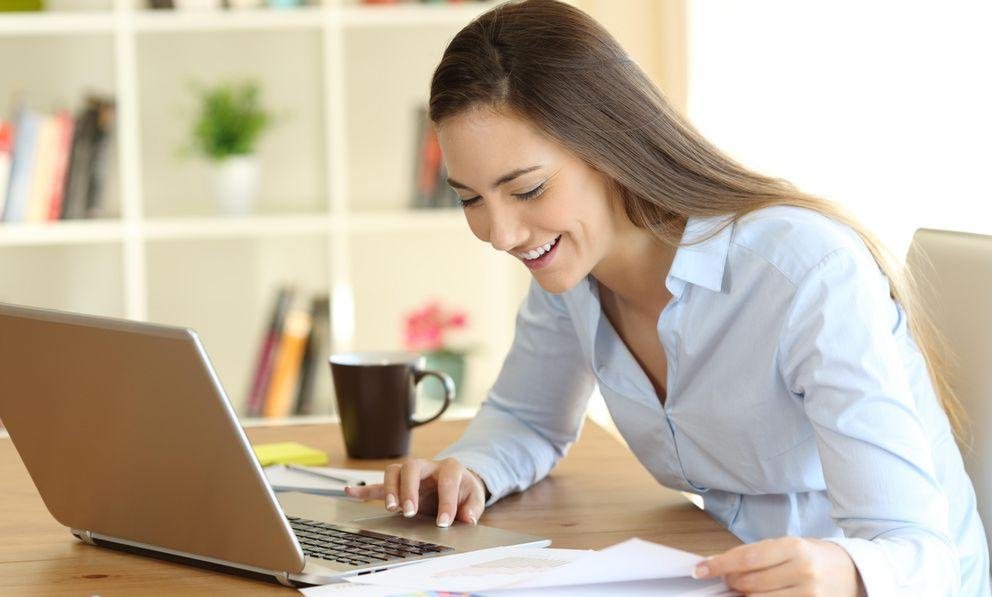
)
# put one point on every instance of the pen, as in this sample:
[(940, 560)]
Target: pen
[(323, 475)]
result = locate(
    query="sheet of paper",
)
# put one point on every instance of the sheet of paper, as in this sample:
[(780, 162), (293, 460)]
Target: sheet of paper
[(638, 566), (347, 589), (286, 479), (659, 587), (474, 571), (634, 559)]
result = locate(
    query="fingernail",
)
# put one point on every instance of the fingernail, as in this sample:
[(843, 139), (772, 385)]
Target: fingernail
[(390, 502), (701, 571), (473, 519), (408, 510), (443, 520)]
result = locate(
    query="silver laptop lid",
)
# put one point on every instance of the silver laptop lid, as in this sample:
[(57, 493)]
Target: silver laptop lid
[(126, 432)]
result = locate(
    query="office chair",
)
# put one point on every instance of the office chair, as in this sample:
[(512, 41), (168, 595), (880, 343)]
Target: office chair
[(954, 272)]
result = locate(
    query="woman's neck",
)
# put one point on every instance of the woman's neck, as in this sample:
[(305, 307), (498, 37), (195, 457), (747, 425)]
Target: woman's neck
[(635, 269)]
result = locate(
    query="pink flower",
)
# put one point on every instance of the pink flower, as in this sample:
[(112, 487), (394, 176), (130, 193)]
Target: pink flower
[(458, 319), (425, 327)]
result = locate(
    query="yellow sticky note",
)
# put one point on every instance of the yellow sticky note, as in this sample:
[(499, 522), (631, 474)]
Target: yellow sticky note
[(289, 453)]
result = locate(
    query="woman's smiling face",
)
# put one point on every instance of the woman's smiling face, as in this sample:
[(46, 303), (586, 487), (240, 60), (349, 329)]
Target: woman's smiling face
[(526, 194)]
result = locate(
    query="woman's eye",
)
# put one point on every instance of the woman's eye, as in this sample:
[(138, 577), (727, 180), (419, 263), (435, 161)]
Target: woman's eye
[(521, 196), (531, 193)]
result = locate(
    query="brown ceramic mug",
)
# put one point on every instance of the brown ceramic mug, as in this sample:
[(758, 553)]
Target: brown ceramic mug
[(376, 395)]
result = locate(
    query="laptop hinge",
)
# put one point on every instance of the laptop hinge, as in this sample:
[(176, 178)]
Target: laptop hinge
[(84, 536), (283, 578)]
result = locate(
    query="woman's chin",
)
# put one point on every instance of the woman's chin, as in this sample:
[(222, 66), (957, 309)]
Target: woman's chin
[(555, 283)]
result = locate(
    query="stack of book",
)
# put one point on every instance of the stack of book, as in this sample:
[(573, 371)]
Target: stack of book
[(291, 355), (53, 166)]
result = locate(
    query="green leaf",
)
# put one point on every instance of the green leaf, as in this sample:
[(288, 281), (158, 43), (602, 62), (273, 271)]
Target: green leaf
[(230, 120)]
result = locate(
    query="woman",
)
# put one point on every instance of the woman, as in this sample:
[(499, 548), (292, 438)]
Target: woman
[(753, 343)]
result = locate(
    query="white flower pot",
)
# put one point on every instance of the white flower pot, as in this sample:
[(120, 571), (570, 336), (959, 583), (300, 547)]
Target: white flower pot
[(236, 184)]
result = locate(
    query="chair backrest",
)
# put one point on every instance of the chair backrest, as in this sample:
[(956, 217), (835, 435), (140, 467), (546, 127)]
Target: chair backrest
[(954, 271)]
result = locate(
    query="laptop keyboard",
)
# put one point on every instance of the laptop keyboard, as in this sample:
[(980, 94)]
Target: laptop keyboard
[(356, 547)]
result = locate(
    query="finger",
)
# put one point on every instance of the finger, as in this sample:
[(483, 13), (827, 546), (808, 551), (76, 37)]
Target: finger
[(391, 486), (472, 500), (793, 573), (375, 491), (754, 556), (449, 478), (411, 474)]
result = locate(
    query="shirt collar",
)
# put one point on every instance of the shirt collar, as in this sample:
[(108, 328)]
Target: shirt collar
[(701, 264)]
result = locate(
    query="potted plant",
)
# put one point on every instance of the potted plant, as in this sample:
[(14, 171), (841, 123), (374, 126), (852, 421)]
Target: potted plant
[(427, 331), (228, 125)]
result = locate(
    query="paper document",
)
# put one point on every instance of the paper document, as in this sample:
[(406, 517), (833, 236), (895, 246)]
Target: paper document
[(347, 589), (634, 559), (282, 478), (473, 571), (634, 567)]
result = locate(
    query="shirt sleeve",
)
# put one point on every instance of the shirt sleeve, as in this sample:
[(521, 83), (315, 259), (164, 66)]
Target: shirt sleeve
[(535, 410), (839, 355)]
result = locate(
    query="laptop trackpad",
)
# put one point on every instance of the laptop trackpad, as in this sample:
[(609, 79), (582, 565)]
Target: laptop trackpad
[(372, 516), (333, 509)]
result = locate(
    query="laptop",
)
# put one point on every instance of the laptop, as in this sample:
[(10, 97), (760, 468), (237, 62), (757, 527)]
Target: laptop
[(133, 445)]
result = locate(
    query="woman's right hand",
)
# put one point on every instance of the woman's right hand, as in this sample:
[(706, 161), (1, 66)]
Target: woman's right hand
[(443, 487)]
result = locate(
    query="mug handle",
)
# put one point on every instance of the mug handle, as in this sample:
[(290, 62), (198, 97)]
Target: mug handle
[(449, 392)]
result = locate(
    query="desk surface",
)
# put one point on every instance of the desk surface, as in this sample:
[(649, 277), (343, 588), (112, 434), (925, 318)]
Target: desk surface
[(599, 495)]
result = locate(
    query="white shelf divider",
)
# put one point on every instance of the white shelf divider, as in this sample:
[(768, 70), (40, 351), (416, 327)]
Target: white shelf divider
[(342, 314), (255, 226), (129, 147), (57, 23), (165, 21), (66, 232)]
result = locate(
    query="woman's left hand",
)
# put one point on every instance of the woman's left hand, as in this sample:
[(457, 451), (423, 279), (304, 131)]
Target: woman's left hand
[(785, 566)]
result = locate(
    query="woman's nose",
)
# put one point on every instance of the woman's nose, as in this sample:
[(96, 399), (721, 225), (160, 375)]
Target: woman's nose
[(505, 229)]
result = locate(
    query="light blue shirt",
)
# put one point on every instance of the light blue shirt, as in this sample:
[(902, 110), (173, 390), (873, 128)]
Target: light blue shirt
[(797, 402)]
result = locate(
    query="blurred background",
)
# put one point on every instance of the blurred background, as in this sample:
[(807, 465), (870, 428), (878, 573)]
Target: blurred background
[(260, 170)]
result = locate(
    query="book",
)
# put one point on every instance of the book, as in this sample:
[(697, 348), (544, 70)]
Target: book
[(66, 124), (279, 400), (430, 176), (83, 192), (78, 172), (267, 352), (26, 125), (318, 345), (288, 453), (95, 195), (36, 209), (6, 148)]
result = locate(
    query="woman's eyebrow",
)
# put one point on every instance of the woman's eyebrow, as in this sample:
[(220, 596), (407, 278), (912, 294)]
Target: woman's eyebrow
[(501, 180)]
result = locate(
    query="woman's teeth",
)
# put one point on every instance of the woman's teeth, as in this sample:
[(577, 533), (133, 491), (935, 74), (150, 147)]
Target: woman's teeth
[(535, 253)]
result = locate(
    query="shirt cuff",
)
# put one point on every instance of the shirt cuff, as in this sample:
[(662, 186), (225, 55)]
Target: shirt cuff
[(872, 563)]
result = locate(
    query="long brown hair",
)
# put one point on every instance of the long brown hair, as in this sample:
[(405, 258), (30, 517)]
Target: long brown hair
[(559, 69)]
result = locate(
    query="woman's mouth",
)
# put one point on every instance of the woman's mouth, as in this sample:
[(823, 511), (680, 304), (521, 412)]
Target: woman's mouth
[(540, 257)]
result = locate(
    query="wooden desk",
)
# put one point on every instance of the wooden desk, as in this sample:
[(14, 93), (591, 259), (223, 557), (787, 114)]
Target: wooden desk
[(599, 495)]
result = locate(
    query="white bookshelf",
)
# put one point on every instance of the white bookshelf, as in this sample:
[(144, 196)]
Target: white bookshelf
[(337, 167)]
